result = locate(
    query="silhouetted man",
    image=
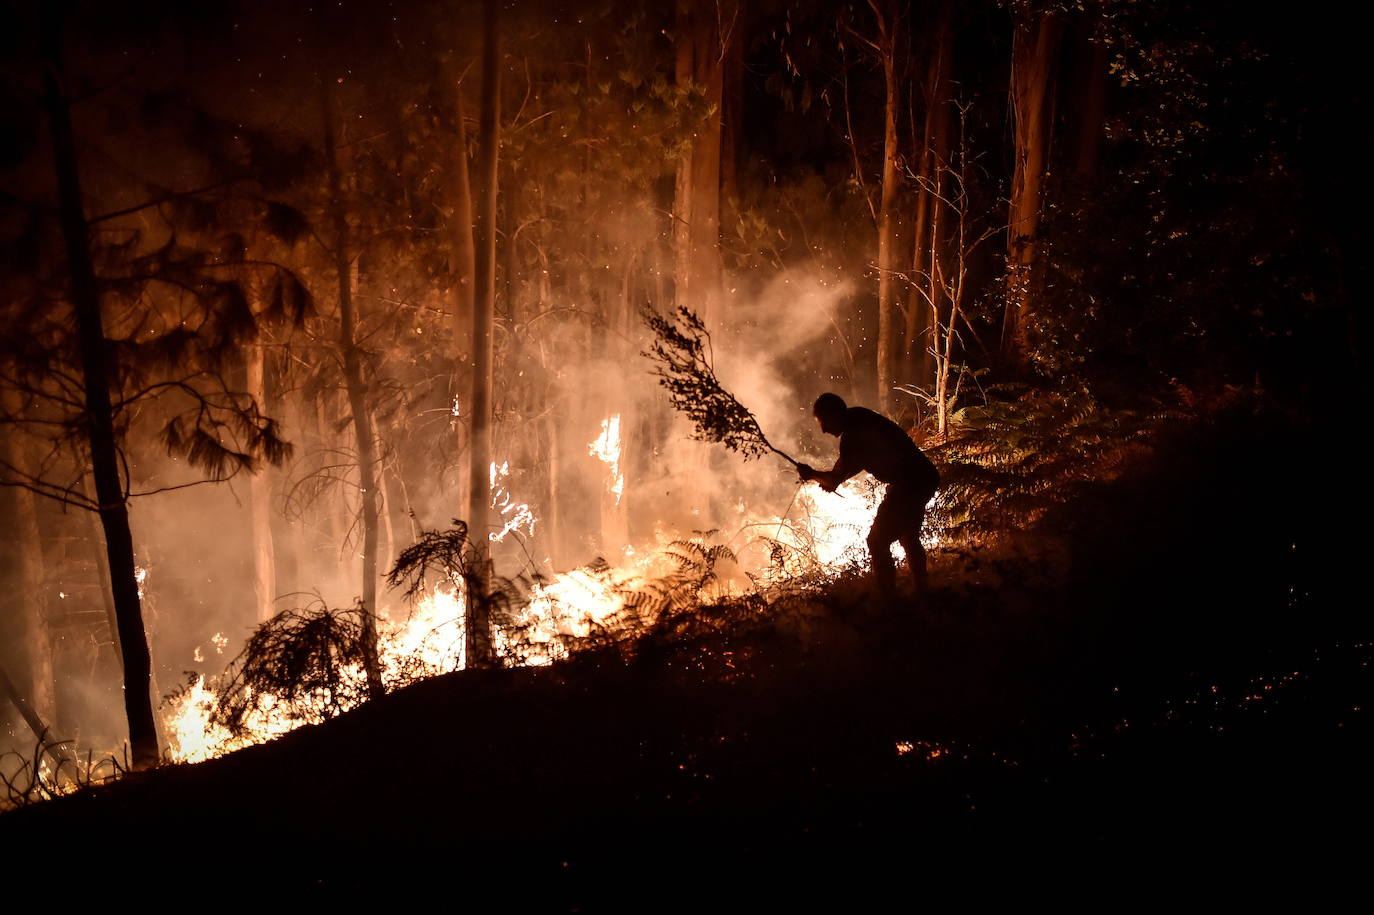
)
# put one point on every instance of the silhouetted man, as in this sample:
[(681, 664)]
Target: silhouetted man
[(872, 442)]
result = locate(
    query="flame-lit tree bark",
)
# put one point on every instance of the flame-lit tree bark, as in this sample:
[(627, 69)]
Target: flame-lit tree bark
[(1035, 43), (732, 119), (702, 40), (886, 48), (478, 624), (356, 386), (881, 42), (260, 500), (922, 324), (98, 371), (462, 262)]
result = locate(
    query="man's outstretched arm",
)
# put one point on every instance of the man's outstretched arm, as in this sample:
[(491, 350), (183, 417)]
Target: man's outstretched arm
[(829, 480)]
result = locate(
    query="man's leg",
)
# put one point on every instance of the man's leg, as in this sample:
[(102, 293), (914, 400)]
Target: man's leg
[(911, 542), (886, 525), (916, 559)]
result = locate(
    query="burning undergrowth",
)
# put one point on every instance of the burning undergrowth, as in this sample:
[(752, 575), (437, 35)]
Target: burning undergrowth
[(307, 664), (51, 769)]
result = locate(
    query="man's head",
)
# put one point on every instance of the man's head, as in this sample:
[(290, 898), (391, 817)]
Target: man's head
[(831, 412)]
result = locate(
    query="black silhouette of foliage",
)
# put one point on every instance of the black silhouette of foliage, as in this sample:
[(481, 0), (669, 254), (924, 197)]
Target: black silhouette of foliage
[(43, 774), (204, 435), (449, 555), (309, 661), (447, 552), (1012, 459), (681, 351)]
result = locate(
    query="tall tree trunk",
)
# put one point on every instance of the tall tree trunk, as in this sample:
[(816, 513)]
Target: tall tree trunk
[(98, 370), (887, 220), (463, 268), (297, 556), (95, 537), (478, 623), (922, 315), (28, 546), (551, 430), (329, 530), (701, 50), (732, 122), (260, 501), (356, 386), (1034, 47)]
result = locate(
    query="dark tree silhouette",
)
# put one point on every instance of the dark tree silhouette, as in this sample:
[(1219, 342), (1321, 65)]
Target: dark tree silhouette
[(104, 334)]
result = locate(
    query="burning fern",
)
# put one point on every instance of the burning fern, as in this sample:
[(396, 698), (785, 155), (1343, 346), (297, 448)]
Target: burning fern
[(681, 589)]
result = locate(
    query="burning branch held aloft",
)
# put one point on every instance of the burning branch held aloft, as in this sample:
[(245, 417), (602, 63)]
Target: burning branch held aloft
[(682, 352)]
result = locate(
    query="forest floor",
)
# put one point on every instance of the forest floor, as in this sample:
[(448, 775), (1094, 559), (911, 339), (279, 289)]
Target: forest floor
[(1163, 686)]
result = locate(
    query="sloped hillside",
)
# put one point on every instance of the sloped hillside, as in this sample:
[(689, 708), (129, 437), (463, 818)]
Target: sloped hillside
[(1169, 671)]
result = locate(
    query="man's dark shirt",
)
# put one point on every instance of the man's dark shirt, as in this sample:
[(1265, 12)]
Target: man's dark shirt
[(875, 443)]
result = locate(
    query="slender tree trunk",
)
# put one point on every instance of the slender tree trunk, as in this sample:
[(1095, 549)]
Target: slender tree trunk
[(553, 510), (356, 386), (329, 528), (478, 624), (887, 218), (1034, 47), (701, 50), (260, 501), (393, 514), (299, 552), (97, 363), (732, 122), (463, 266), (31, 599), (922, 316), (95, 537)]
